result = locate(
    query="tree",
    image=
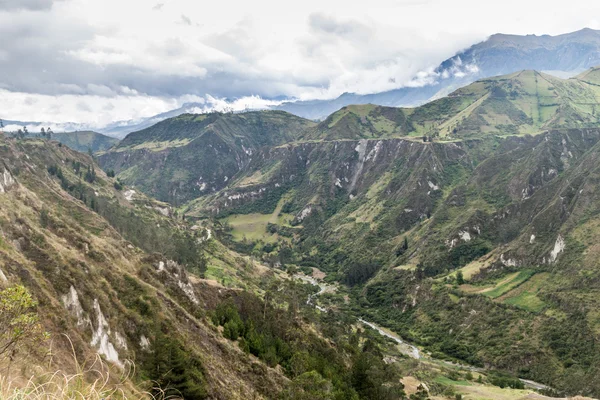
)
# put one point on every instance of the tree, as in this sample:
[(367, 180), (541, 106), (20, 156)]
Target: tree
[(19, 324), (43, 132), (176, 372), (460, 278), (309, 386)]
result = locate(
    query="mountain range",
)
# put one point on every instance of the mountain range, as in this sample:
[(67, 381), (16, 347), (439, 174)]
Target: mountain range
[(562, 56)]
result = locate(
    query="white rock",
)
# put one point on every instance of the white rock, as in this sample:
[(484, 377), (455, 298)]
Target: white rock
[(129, 194), (464, 235), (120, 341), (188, 290), (2, 276), (6, 181), (433, 185), (72, 304), (101, 339), (532, 239), (559, 247), (144, 343), (304, 213)]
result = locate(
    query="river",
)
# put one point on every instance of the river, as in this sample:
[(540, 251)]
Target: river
[(404, 347)]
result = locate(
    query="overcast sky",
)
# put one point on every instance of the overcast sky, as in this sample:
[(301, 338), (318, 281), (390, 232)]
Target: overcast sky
[(96, 61)]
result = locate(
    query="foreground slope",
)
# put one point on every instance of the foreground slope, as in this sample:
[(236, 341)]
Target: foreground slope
[(86, 252)]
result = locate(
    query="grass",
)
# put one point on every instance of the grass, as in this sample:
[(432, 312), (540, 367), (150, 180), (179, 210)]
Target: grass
[(491, 392), (525, 296), (506, 285), (501, 287), (447, 381), (91, 382), (253, 227)]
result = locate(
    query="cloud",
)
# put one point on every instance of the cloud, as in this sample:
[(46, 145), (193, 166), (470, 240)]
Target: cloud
[(32, 5), (186, 20), (62, 52), (327, 24)]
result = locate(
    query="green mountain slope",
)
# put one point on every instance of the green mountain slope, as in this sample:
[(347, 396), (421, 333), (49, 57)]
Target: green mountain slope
[(101, 264), (526, 102), (185, 157)]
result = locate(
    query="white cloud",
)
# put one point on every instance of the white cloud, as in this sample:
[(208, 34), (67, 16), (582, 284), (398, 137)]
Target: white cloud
[(128, 59)]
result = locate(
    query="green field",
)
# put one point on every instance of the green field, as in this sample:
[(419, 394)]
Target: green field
[(253, 227), (525, 295), (508, 284)]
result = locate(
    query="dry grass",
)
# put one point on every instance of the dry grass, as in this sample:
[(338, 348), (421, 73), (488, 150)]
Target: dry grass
[(92, 381)]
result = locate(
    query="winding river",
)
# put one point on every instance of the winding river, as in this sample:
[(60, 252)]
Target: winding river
[(405, 348)]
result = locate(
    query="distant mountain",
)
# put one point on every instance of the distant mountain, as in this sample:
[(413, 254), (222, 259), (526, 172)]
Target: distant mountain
[(524, 102), (118, 129), (562, 55), (82, 141)]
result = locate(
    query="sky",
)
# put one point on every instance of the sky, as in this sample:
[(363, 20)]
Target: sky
[(98, 61)]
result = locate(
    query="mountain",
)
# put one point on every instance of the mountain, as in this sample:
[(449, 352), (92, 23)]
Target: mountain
[(132, 300), (563, 55), (525, 102), (466, 225), (184, 157), (85, 140), (82, 141)]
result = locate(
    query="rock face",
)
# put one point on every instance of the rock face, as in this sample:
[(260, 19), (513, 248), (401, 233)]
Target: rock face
[(6, 180)]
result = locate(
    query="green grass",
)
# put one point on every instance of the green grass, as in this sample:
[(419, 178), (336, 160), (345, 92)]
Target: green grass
[(447, 381), (509, 284), (527, 301), (525, 296), (253, 227)]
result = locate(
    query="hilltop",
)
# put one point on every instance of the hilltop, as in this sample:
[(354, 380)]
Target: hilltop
[(525, 102)]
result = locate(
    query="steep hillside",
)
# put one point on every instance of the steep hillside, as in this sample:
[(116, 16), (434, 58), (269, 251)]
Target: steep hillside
[(118, 275), (500, 54), (103, 285), (188, 156)]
